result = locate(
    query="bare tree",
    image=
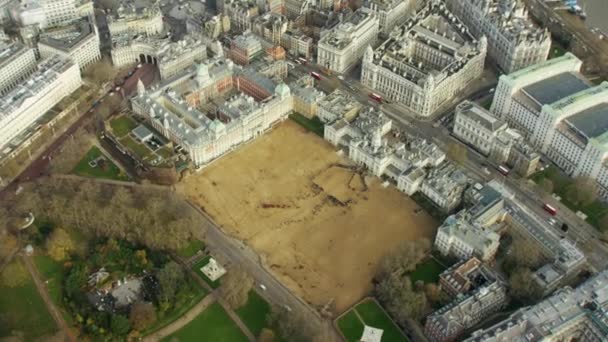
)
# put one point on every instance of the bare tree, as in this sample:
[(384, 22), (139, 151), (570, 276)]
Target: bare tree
[(101, 71), (142, 314), (404, 258), (235, 287), (400, 299), (59, 245), (546, 185), (582, 191), (523, 287)]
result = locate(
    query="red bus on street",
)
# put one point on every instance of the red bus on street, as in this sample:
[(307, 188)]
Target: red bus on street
[(503, 170), (376, 97), (315, 75), (550, 209)]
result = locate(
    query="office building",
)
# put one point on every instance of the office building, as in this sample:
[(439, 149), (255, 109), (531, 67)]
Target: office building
[(342, 46), (17, 62), (135, 17), (426, 62), (390, 12), (54, 79), (78, 42), (514, 40)]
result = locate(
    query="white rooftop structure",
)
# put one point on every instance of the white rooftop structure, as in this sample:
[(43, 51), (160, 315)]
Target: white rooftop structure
[(371, 334), (213, 270)]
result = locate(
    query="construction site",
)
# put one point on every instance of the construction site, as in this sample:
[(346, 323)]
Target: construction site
[(320, 223)]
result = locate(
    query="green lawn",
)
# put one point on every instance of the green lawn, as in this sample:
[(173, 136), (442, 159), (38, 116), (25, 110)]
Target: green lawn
[(373, 315), (139, 149), (22, 309), (351, 326), (428, 271), (315, 125), (165, 152), (183, 304), (213, 324), (197, 268), (52, 273), (109, 171), (122, 125), (254, 313), (556, 50), (594, 211), (191, 249)]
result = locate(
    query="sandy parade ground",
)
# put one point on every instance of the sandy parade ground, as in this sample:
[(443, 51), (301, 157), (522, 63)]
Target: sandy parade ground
[(320, 225)]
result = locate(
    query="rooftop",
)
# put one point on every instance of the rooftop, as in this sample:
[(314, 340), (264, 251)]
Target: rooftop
[(479, 114), (74, 35), (9, 50), (591, 122), (555, 88)]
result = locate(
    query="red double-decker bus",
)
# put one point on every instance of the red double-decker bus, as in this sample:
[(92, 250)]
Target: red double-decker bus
[(376, 97), (315, 75), (550, 209)]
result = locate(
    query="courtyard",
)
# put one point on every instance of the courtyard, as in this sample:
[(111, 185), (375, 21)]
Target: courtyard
[(319, 223)]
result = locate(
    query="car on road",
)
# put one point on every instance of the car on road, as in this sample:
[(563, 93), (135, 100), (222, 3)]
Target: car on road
[(263, 287), (552, 221)]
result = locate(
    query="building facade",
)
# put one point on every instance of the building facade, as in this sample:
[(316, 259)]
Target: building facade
[(514, 40), (170, 57), (561, 114), (136, 18), (569, 315), (207, 136), (390, 12), (342, 46), (52, 13), (17, 62), (425, 62), (54, 79), (245, 48), (80, 43)]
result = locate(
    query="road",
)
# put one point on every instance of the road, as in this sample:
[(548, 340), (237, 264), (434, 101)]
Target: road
[(235, 252), (580, 232)]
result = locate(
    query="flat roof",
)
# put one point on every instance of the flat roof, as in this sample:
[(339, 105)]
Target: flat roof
[(591, 122), (556, 87)]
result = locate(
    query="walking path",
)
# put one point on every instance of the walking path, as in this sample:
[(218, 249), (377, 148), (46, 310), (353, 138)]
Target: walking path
[(236, 319), (41, 287), (183, 320)]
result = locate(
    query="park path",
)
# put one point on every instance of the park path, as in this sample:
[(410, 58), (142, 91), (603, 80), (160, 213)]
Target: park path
[(236, 319), (41, 287), (183, 320)]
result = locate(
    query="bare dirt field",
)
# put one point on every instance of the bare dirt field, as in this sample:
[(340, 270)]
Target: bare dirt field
[(321, 227)]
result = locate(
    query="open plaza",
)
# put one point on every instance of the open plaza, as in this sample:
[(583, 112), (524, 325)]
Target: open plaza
[(320, 225)]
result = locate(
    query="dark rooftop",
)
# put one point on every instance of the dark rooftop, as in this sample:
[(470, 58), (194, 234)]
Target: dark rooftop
[(555, 88), (591, 122)]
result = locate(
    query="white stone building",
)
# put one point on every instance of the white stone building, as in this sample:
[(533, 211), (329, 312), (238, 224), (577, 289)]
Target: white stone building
[(561, 113), (170, 57), (463, 238), (426, 62), (207, 136), (136, 17), (338, 105), (390, 12), (78, 42), (241, 13), (404, 163), (444, 185), (569, 315), (514, 40), (54, 79), (17, 62), (51, 13), (342, 46)]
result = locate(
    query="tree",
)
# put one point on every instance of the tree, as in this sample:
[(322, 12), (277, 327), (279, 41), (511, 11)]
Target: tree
[(100, 72), (170, 278), (546, 185), (14, 274), (266, 335), (435, 295), (59, 244), (582, 191), (400, 299), (457, 152), (522, 254), (119, 325), (523, 286), (404, 258), (235, 287), (8, 244), (290, 326), (142, 314)]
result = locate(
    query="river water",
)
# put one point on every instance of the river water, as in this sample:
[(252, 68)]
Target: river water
[(597, 13)]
